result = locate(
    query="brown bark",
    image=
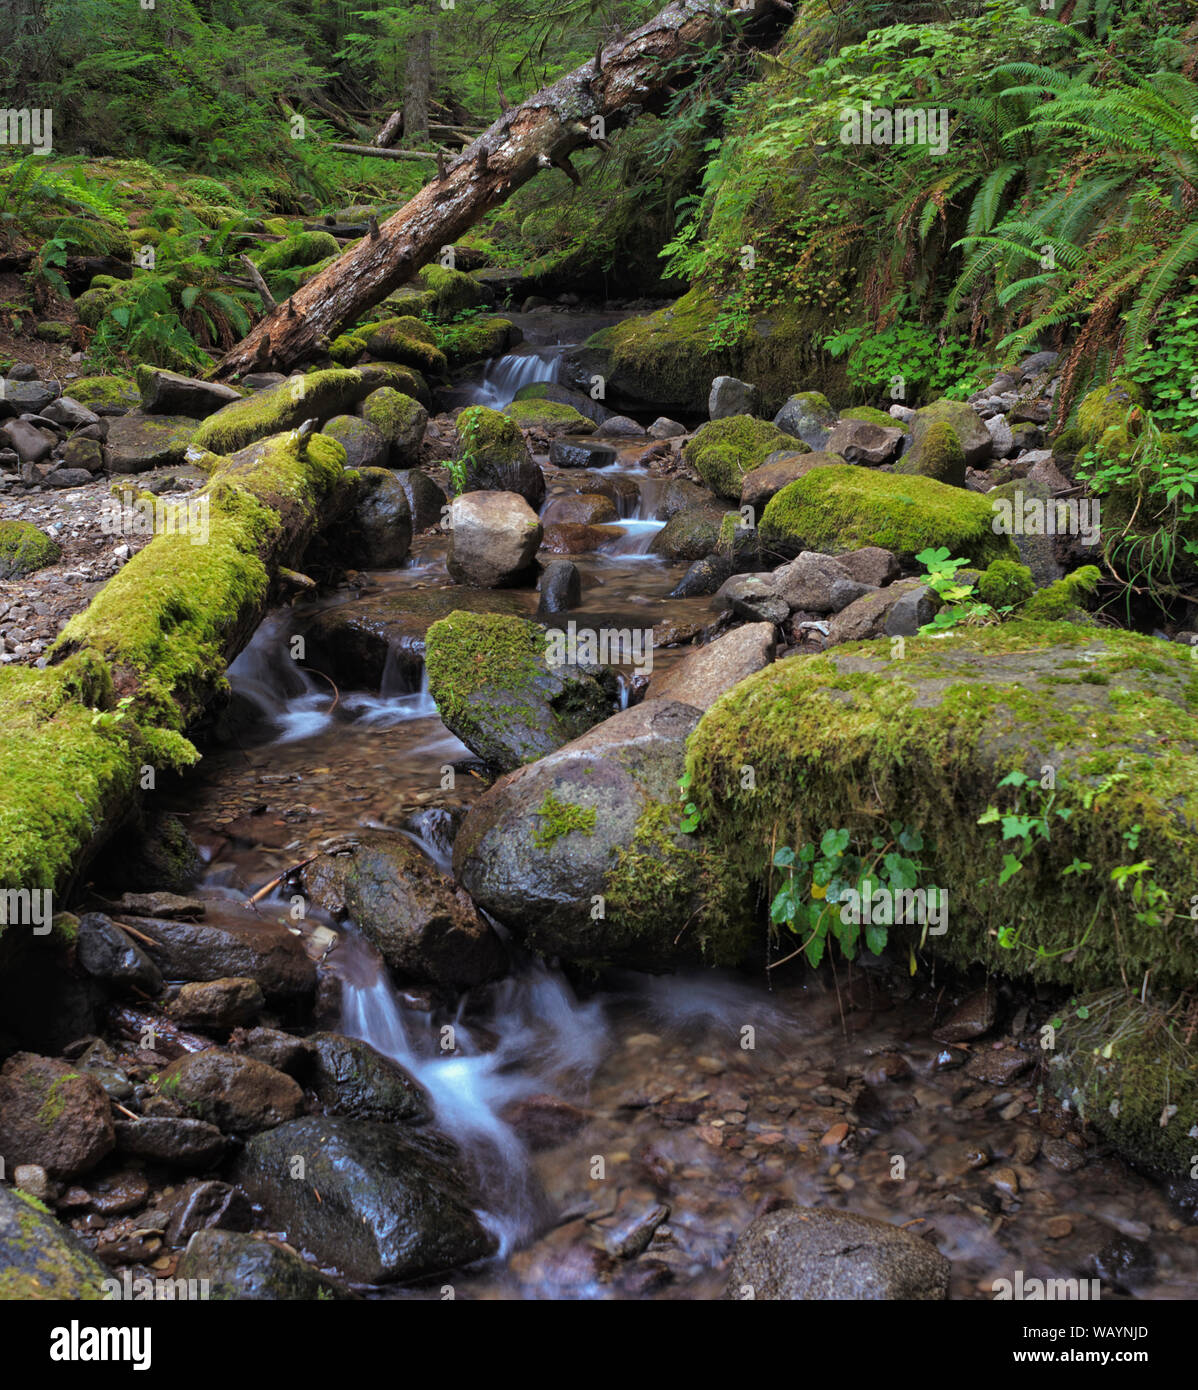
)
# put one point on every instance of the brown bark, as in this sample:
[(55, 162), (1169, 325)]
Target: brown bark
[(635, 70)]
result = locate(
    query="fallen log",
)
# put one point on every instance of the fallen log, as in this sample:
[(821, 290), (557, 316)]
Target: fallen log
[(369, 152), (625, 77), (130, 674)]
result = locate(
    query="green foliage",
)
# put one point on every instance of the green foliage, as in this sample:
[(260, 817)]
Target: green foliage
[(813, 901), (907, 362), (957, 599)]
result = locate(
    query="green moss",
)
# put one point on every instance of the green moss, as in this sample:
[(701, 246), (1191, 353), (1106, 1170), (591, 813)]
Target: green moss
[(284, 406), (723, 451), (304, 249), (394, 340), (23, 549), (560, 818), (1131, 1071), (38, 1259), (55, 1102), (870, 416), (395, 414), (346, 349), (95, 303), (451, 290), (1005, 584), (92, 391), (1106, 408), (548, 416), (489, 652), (1065, 598), (843, 508), (475, 340), (938, 454), (854, 739)]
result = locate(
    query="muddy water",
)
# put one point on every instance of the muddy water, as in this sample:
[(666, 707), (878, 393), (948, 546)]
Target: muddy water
[(623, 1133)]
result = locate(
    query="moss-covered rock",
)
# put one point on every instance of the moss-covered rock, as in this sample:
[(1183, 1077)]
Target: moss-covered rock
[(452, 291), (284, 406), (23, 549), (856, 738), (395, 340), (1064, 599), (1105, 409), (346, 348), (690, 534), (723, 451), (971, 433), (1005, 584), (400, 419), (94, 304), (496, 456), (496, 690), (937, 454), (477, 339), (375, 375), (120, 392), (871, 416), (548, 417), (1131, 1071), (303, 249), (844, 508), (39, 1259)]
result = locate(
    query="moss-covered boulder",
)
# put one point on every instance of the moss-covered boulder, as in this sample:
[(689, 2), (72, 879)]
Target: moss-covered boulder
[(39, 1259), (237, 1266), (690, 534), (53, 1115), (23, 549), (870, 415), (113, 393), (284, 406), (1100, 723), (477, 339), (970, 429), (937, 453), (376, 375), (404, 340), (94, 304), (400, 419), (723, 451), (582, 856), (808, 415), (451, 291), (1130, 1070), (138, 442), (496, 456), (548, 417), (845, 507), (364, 445), (496, 688), (1102, 415)]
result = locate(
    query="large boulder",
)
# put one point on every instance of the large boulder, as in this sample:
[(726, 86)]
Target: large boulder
[(426, 501), (729, 396), (689, 534), (703, 675), (424, 926), (409, 342), (496, 456), (819, 1253), (379, 530), (968, 426), (363, 443), (169, 393), (493, 540), (400, 420), (769, 478), (377, 1202), (138, 442), (724, 450), (582, 856), (53, 1115), (846, 508), (815, 583), (41, 1260), (496, 688), (929, 735)]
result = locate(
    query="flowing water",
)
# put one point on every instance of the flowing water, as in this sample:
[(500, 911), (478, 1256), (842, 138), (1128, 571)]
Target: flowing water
[(653, 1114)]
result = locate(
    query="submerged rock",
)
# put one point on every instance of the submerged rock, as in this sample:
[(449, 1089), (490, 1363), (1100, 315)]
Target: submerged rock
[(818, 1253), (391, 1203)]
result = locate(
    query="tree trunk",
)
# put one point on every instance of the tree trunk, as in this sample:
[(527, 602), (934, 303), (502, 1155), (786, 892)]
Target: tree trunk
[(417, 79), (631, 74)]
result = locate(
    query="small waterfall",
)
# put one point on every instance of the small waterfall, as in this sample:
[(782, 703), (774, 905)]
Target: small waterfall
[(549, 1041), (504, 376)]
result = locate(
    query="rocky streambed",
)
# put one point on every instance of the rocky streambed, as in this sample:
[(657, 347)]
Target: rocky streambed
[(408, 988)]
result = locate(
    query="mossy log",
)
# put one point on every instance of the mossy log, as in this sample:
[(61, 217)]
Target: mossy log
[(130, 674), (629, 75)]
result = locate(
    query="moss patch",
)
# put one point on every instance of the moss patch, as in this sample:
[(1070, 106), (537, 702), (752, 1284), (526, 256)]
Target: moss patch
[(549, 417), (723, 451), (284, 406), (560, 818), (23, 549)]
